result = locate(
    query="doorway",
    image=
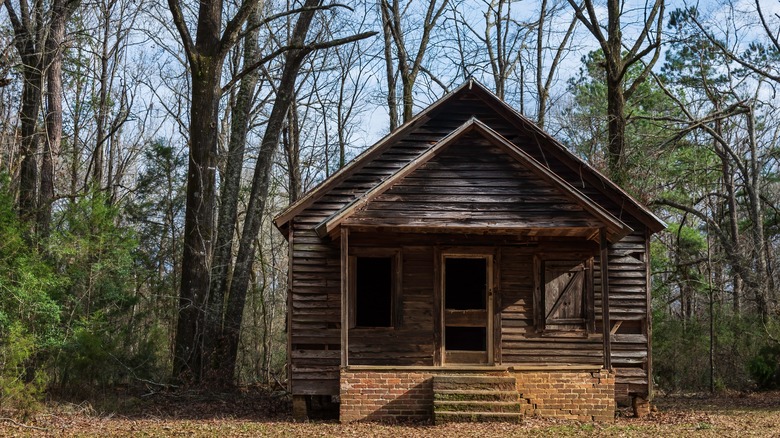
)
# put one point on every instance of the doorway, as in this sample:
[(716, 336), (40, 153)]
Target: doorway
[(467, 309)]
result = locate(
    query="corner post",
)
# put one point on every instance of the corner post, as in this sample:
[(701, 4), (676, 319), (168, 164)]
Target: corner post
[(288, 322), (649, 317), (606, 326), (344, 297)]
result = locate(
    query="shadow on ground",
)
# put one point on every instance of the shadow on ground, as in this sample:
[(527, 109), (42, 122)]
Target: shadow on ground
[(245, 403)]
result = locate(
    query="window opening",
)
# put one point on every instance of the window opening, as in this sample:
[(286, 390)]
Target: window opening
[(374, 292)]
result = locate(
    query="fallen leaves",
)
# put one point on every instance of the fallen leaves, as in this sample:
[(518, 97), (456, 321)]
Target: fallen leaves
[(256, 412)]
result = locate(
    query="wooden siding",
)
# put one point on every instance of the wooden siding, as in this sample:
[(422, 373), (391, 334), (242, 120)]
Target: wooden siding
[(521, 342), (315, 280), (411, 341), (474, 184), (315, 313)]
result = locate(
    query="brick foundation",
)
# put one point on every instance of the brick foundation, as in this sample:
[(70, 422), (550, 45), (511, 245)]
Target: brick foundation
[(393, 395), (385, 396), (570, 395)]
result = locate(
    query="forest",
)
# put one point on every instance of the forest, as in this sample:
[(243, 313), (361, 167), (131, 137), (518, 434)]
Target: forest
[(146, 146)]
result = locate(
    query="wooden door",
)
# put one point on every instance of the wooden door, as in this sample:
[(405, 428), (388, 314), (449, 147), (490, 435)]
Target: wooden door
[(467, 332)]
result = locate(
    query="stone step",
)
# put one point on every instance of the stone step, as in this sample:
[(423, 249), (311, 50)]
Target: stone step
[(459, 417), (474, 395), (475, 406), (465, 381)]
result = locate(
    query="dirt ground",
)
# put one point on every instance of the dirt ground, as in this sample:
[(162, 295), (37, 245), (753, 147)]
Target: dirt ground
[(255, 412)]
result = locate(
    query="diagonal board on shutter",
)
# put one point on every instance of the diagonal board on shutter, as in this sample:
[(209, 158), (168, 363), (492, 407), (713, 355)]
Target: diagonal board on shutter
[(564, 285)]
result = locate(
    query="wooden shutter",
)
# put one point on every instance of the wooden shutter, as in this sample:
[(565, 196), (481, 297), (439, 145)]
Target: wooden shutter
[(564, 295)]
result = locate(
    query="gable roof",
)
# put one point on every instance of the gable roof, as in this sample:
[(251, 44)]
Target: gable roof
[(616, 229), (546, 143)]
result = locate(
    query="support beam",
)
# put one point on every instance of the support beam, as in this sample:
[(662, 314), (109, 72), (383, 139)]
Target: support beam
[(344, 297), (300, 407), (438, 310), (604, 263)]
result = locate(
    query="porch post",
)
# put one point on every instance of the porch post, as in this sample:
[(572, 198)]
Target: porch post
[(606, 326), (344, 297)]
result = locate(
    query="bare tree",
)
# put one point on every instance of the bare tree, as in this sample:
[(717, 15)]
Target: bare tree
[(55, 40), (767, 52), (619, 56), (293, 58), (544, 30), (29, 36), (230, 185), (205, 56), (409, 64)]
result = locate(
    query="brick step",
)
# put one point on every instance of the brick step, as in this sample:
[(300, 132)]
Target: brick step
[(482, 382), (475, 406), (474, 395), (460, 417)]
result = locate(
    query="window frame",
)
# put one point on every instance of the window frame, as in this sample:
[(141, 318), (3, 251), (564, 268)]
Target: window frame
[(588, 295), (394, 254)]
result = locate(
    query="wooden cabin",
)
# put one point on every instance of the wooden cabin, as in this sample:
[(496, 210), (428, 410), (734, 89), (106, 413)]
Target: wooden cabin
[(459, 262)]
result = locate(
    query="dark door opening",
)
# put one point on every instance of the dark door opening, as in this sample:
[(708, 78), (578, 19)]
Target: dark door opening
[(466, 308)]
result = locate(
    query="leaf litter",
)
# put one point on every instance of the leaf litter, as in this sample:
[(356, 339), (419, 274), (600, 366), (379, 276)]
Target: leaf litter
[(255, 411)]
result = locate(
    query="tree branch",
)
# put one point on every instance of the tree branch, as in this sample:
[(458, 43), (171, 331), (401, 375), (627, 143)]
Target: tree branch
[(769, 34), (20, 31), (591, 24), (305, 48), (737, 108), (184, 33), (731, 54), (646, 29), (559, 53), (435, 79), (26, 426), (276, 16)]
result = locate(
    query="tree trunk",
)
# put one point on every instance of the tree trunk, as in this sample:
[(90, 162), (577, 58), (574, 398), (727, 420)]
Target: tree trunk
[(292, 149), (616, 65), (199, 217), (27, 34), (205, 56), (616, 118), (228, 206), (728, 182), (540, 89), (408, 66), (102, 112), (616, 128), (407, 82), (543, 86), (78, 103), (28, 174), (392, 105), (201, 181), (756, 213), (52, 143), (259, 191)]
